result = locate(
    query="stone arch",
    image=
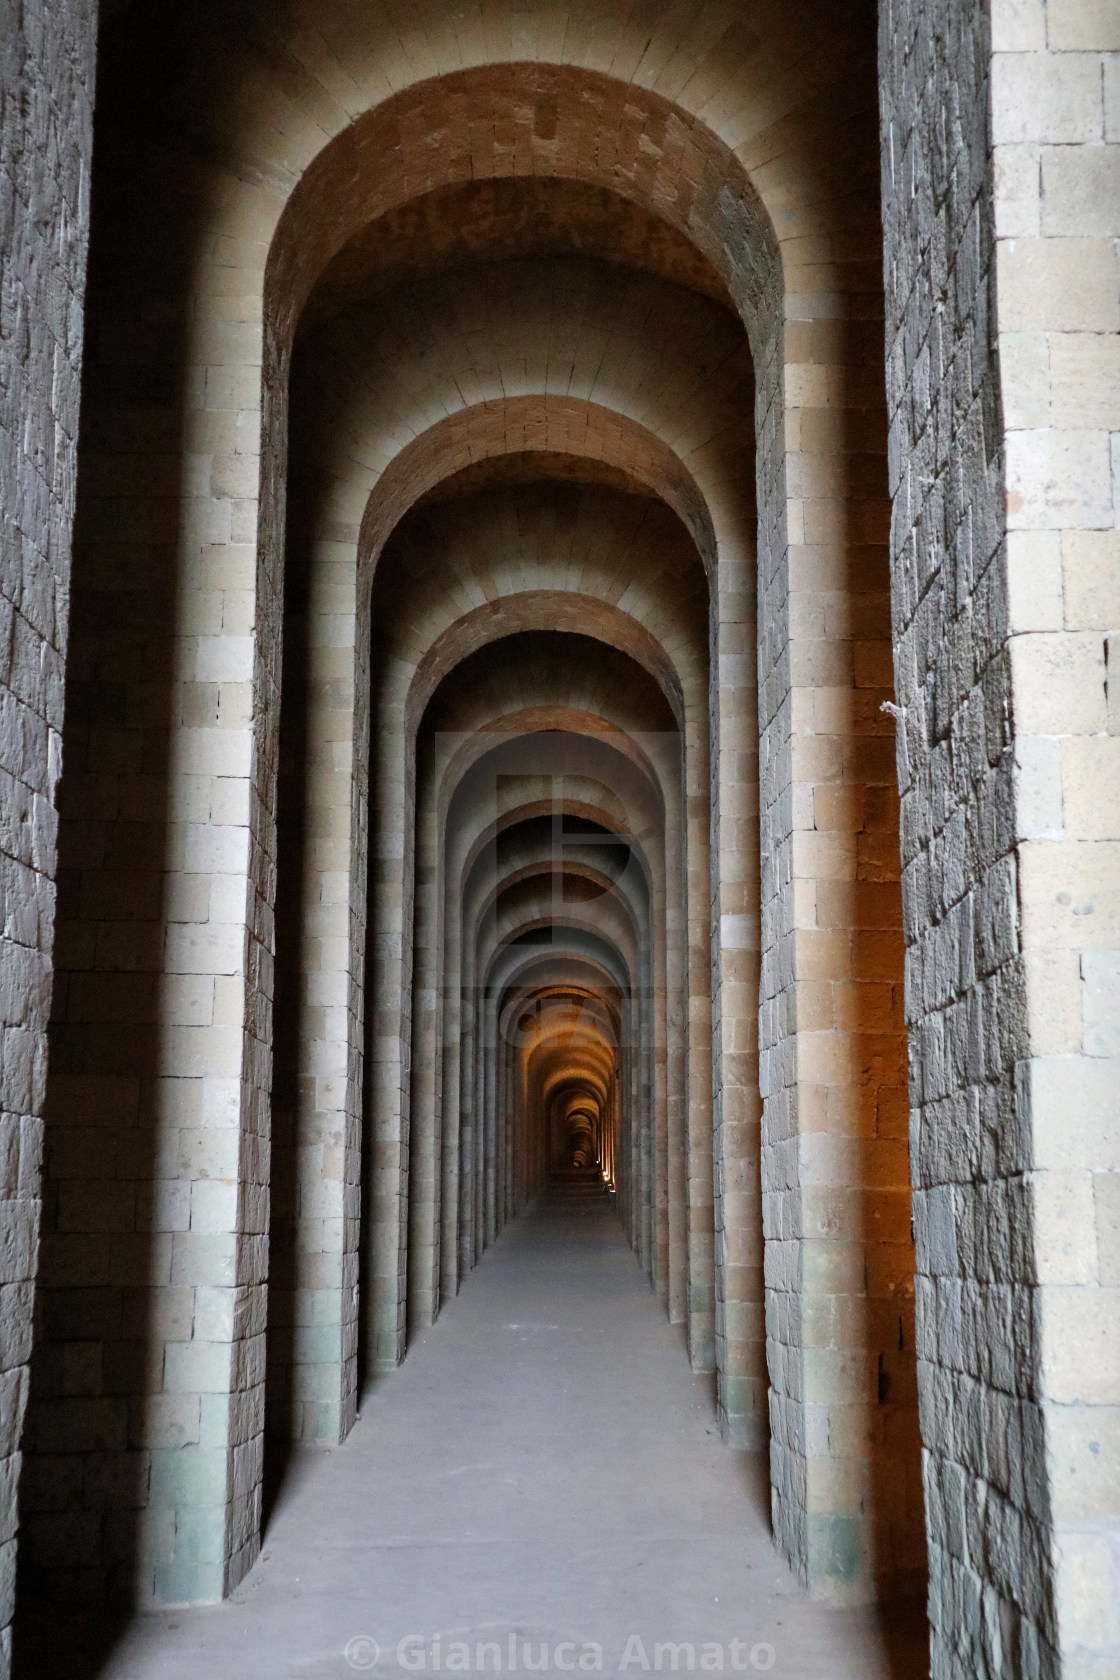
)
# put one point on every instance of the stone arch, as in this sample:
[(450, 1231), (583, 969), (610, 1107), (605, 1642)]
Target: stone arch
[(517, 610), (627, 906), (262, 117), (531, 988)]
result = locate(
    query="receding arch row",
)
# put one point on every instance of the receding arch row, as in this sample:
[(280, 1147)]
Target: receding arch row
[(699, 1242), (560, 1061), (240, 207), (703, 1198), (426, 1058), (512, 976), (586, 795), (522, 898), (665, 751), (390, 796), (583, 962)]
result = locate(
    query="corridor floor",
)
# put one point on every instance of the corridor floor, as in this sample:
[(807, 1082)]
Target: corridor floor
[(544, 1465)]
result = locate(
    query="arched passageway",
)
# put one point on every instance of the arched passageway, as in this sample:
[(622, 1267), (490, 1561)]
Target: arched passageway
[(478, 832), (589, 559)]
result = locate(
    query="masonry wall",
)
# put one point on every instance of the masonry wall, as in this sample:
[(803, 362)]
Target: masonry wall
[(1001, 205), (846, 1500), (46, 89), (1056, 173), (965, 1004)]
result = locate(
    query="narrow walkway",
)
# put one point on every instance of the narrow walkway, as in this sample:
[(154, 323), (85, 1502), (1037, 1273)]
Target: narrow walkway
[(543, 1464)]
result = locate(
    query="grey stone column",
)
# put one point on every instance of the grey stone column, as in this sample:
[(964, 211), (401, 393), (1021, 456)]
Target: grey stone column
[(47, 66)]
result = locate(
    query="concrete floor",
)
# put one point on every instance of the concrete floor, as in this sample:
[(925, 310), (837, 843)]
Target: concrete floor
[(545, 1465)]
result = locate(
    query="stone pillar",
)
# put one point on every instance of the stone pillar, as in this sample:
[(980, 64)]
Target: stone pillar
[(425, 1172), (839, 1255), (1001, 192), (739, 1331), (161, 1041), (47, 62), (314, 1259)]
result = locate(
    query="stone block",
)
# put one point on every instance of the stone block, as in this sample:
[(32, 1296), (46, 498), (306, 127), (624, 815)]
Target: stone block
[(1072, 1103), (1038, 787), (190, 1476), (1081, 194), (1087, 1602), (1091, 788), (1059, 285), (1018, 26), (1088, 26), (1085, 368), (1059, 681), (1106, 1196), (1065, 1235), (1083, 1448), (1112, 96), (1044, 97), (1091, 579), (1059, 478), (1081, 1346)]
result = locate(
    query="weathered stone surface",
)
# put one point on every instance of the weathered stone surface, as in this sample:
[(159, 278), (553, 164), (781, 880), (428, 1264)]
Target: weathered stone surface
[(1003, 297), (46, 96)]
